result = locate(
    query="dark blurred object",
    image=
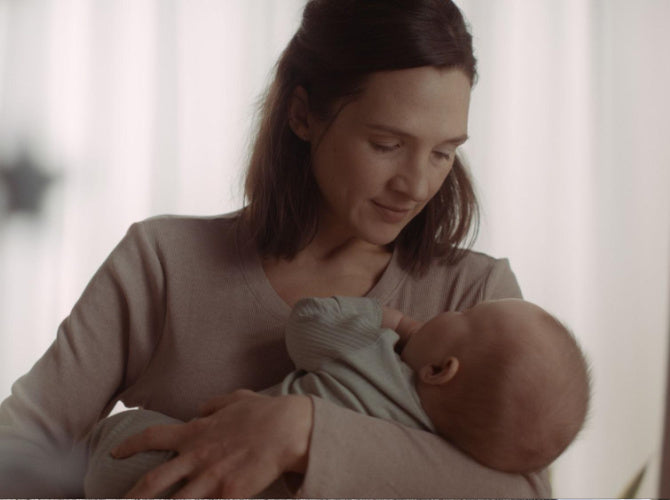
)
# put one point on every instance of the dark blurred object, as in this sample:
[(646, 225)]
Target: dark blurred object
[(25, 184)]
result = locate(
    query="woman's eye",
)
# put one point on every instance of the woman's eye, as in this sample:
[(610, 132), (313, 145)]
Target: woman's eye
[(444, 155), (384, 148)]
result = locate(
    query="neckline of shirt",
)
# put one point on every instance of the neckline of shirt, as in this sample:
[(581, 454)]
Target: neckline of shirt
[(260, 287)]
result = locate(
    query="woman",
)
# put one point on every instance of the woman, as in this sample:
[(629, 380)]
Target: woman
[(354, 188)]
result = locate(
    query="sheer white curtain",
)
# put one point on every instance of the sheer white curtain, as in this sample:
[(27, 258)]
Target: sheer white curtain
[(570, 147), (139, 107), (143, 107)]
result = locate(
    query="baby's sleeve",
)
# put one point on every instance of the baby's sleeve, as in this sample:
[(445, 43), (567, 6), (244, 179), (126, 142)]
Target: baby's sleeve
[(323, 329)]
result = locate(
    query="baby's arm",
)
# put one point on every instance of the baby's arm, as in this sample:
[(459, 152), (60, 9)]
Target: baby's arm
[(402, 324), (108, 477)]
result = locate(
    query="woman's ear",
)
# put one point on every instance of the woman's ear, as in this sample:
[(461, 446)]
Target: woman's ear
[(438, 374), (298, 113)]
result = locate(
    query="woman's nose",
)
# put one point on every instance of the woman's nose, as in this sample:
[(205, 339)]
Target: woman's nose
[(412, 179)]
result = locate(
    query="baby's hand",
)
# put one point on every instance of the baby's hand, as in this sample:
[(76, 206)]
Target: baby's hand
[(403, 325), (391, 318)]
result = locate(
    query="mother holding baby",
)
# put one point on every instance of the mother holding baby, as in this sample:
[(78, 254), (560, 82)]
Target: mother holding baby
[(354, 188)]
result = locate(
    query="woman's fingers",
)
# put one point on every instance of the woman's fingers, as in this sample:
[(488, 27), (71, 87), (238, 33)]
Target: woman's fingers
[(212, 405), (157, 437), (238, 450), (207, 484), (236, 476), (155, 482), (257, 438)]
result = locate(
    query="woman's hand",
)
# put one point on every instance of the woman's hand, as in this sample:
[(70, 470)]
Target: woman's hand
[(242, 442)]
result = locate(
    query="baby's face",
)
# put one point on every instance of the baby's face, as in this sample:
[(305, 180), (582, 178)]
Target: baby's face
[(449, 333)]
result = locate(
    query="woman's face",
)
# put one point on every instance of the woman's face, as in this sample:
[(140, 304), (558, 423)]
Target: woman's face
[(388, 152)]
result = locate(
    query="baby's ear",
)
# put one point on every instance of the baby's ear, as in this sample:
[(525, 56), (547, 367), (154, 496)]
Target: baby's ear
[(438, 374)]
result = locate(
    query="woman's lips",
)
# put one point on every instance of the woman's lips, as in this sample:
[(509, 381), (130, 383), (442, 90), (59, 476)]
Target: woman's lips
[(391, 214)]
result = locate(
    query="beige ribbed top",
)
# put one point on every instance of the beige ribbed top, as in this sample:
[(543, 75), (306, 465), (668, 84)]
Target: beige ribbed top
[(182, 311)]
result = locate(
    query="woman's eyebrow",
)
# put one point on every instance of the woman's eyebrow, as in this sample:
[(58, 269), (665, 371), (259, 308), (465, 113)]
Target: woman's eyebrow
[(388, 128), (456, 141)]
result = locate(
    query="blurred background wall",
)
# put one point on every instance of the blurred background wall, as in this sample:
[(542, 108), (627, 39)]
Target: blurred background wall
[(112, 111)]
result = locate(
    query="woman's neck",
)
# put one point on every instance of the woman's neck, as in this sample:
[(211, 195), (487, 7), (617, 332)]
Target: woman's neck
[(335, 241), (328, 265), (325, 249)]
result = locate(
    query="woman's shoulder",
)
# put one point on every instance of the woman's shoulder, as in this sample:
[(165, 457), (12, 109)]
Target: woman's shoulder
[(491, 276), (473, 263), (475, 277), (187, 239), (170, 225), (471, 266)]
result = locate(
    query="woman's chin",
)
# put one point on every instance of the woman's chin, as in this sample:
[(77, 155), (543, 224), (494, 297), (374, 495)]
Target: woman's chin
[(382, 234)]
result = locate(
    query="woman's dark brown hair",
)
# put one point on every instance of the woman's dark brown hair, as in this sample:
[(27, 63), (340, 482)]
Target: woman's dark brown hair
[(339, 43)]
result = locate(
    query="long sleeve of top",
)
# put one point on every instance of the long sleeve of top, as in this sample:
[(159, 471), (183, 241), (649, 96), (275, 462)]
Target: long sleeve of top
[(342, 354), (321, 330), (180, 312)]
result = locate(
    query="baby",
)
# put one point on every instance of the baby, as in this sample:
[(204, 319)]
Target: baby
[(503, 381)]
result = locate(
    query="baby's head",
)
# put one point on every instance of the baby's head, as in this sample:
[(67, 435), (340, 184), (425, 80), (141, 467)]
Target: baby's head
[(504, 381)]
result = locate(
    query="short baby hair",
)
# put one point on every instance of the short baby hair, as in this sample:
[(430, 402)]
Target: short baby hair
[(521, 401)]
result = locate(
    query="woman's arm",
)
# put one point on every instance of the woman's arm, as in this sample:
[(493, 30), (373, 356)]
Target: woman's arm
[(102, 345), (249, 440), (243, 442), (353, 455)]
